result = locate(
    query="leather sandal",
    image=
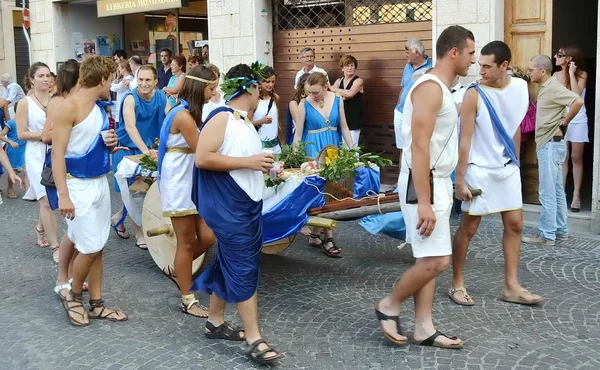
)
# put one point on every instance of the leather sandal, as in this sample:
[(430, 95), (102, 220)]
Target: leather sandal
[(333, 251), (223, 331), (70, 305), (468, 300), (258, 356), (105, 313)]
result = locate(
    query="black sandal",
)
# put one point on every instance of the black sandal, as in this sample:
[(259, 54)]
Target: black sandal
[(430, 342), (70, 304), (223, 331), (334, 251), (170, 274), (258, 356), (185, 308), (317, 237), (383, 317), (99, 303)]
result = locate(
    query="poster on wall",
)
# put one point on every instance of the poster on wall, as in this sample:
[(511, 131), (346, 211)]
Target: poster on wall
[(115, 43), (89, 47), (78, 46), (103, 46)]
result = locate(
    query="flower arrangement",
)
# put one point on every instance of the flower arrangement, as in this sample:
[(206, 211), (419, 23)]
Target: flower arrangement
[(341, 163), (293, 156)]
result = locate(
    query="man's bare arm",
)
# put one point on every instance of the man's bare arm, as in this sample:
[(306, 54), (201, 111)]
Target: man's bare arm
[(468, 112)]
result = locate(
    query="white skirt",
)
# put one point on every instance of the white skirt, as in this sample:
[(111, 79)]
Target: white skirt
[(90, 228), (439, 243), (35, 155), (175, 185), (398, 118), (500, 189), (577, 132)]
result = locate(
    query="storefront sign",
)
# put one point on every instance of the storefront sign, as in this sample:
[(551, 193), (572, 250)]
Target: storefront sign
[(107, 8)]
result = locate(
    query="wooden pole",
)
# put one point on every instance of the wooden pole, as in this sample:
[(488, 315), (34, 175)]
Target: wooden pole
[(354, 213), (165, 230)]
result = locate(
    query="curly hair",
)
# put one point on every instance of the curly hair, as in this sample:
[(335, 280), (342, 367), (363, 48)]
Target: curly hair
[(94, 69)]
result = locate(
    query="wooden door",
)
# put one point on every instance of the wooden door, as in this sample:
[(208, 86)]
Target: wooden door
[(379, 50), (528, 32)]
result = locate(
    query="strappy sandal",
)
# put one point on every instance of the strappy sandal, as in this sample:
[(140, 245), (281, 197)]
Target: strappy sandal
[(430, 342), (84, 287), (452, 292), (383, 317), (334, 251), (59, 288), (195, 303), (105, 313), (70, 305), (54, 251), (258, 355), (10, 193), (42, 241), (575, 206), (313, 238), (223, 331), (169, 272)]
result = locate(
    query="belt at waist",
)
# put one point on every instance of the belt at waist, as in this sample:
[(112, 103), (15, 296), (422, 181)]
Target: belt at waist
[(557, 138), (324, 129), (69, 176), (177, 149)]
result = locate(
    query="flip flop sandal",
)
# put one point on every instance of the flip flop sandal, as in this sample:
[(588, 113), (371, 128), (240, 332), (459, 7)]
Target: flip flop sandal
[(71, 305), (59, 288), (519, 299), (170, 274), (430, 342), (123, 234), (258, 355), (139, 245), (463, 290), (334, 251), (223, 331), (186, 309), (105, 313), (383, 317), (42, 241)]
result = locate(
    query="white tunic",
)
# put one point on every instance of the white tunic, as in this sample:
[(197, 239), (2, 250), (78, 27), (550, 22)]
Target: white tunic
[(176, 178), (90, 228), (35, 151), (489, 168), (268, 131), (242, 140), (443, 149)]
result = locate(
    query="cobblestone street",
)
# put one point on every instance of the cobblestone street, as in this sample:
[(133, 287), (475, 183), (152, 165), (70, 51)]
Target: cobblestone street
[(315, 310)]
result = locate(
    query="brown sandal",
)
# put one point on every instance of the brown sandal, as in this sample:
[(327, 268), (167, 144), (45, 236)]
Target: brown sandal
[(70, 305), (54, 251), (334, 251), (42, 241), (105, 313)]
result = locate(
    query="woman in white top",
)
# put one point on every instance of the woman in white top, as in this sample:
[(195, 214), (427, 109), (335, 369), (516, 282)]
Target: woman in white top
[(121, 87), (265, 116), (217, 99), (31, 117), (573, 77)]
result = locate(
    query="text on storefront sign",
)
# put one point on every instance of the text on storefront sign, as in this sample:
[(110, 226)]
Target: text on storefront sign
[(107, 8)]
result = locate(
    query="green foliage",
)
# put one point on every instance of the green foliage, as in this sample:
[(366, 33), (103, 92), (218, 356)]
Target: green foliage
[(148, 163), (293, 156), (341, 163), (232, 85), (270, 183)]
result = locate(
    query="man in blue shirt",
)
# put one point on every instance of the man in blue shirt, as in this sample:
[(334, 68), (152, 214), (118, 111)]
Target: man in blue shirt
[(164, 71), (418, 63)]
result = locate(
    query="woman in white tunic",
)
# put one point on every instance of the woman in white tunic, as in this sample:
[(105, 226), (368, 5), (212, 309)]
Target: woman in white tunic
[(266, 117), (574, 77), (31, 116), (178, 135)]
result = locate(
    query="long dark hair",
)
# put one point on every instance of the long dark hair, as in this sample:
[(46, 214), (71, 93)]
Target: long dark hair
[(193, 90), (575, 54), (67, 77), (31, 73), (300, 93), (268, 72)]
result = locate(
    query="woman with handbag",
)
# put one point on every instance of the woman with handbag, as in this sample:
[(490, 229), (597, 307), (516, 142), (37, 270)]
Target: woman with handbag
[(30, 117)]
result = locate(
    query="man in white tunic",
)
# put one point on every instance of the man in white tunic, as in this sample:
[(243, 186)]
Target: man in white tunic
[(491, 115), (81, 142), (425, 188)]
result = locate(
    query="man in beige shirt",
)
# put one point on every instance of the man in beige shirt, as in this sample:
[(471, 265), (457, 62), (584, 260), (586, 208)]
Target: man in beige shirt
[(551, 124)]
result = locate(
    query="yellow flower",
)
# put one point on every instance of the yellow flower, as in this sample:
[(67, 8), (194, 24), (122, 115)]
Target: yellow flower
[(327, 161), (332, 153)]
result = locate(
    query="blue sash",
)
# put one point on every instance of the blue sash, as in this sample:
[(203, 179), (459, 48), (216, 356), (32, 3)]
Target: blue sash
[(236, 220), (164, 131), (51, 192), (96, 161), (509, 145), (216, 111), (289, 128)]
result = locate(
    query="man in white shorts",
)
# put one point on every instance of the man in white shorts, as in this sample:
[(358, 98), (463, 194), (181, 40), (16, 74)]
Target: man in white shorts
[(81, 143), (491, 116), (425, 188)]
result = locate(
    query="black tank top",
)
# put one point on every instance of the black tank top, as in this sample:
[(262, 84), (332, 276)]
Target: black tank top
[(353, 106)]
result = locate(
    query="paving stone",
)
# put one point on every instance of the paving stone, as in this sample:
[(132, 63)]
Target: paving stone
[(315, 310)]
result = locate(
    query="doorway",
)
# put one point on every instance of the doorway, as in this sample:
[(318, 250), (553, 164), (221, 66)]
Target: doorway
[(575, 23)]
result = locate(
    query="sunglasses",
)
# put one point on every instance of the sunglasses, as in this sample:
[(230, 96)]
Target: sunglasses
[(561, 54)]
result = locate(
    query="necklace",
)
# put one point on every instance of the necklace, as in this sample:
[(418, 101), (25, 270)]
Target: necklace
[(321, 104), (39, 101)]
